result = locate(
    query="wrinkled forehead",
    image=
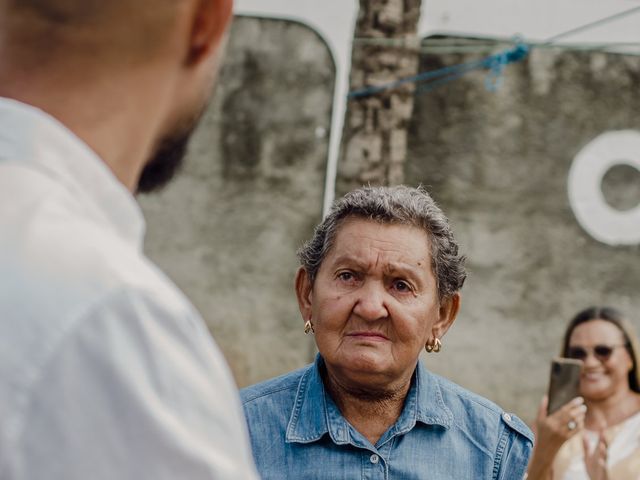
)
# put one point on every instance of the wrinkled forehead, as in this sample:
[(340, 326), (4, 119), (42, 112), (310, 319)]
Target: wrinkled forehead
[(396, 242)]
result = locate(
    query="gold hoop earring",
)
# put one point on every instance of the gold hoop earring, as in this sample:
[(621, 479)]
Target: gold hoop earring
[(433, 346), (308, 327), (428, 346)]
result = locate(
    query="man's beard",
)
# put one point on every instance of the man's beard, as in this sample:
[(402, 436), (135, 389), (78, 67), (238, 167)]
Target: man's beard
[(168, 155)]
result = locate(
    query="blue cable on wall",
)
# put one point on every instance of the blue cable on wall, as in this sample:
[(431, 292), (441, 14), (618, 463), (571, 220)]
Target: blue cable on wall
[(495, 63)]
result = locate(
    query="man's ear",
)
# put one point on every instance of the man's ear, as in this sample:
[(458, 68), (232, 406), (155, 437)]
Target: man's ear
[(304, 293), (447, 313), (210, 20)]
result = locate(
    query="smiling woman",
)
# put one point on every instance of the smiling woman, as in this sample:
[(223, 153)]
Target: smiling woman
[(597, 435), (379, 281)]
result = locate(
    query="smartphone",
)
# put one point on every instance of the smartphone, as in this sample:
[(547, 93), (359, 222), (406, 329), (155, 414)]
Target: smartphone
[(564, 382)]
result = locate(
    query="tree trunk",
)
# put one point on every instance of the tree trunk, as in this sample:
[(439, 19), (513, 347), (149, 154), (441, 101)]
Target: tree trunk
[(385, 49)]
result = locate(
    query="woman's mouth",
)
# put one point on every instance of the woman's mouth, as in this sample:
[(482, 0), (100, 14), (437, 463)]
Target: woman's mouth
[(592, 376), (369, 335)]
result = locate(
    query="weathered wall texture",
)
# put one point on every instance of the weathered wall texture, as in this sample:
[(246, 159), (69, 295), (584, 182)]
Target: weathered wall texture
[(374, 142), (226, 231), (498, 165)]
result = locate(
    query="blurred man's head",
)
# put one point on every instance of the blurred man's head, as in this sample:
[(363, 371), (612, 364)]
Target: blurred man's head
[(163, 54)]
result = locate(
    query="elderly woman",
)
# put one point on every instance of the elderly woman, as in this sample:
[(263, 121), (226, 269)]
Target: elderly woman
[(595, 436), (379, 281)]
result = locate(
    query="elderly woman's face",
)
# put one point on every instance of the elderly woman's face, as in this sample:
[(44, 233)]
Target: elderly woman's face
[(374, 303)]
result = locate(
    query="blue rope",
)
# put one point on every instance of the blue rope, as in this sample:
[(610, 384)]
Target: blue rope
[(494, 63), (427, 87)]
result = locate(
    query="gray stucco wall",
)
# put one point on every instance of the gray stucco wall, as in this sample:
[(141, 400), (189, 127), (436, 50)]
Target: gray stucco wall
[(498, 165), (227, 229)]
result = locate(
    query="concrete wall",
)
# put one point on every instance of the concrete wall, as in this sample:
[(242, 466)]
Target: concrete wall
[(226, 231), (498, 164)]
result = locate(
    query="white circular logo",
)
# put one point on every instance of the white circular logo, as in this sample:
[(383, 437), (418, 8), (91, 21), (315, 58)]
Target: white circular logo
[(604, 223)]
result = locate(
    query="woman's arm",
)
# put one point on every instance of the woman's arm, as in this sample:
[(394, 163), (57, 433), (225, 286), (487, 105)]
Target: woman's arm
[(552, 431)]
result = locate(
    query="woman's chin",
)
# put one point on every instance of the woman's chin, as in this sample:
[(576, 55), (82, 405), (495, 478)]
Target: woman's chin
[(595, 392), (365, 366), (368, 363)]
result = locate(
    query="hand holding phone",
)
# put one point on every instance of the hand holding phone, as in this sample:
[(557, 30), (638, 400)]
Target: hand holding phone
[(564, 382)]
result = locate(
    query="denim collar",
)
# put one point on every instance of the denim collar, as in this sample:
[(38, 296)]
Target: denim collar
[(315, 413)]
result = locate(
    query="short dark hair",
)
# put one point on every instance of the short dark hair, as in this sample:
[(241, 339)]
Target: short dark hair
[(614, 316), (392, 205)]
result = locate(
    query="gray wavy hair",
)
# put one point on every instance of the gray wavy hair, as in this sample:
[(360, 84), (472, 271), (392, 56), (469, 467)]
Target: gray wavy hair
[(392, 205)]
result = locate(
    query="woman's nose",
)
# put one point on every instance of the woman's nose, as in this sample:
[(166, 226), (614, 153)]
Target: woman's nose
[(370, 304), (591, 360)]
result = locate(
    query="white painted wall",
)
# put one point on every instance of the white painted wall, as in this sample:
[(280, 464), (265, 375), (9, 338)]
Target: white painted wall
[(335, 21)]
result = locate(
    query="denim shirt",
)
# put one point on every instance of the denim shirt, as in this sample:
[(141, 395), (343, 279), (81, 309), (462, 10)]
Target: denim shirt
[(443, 432)]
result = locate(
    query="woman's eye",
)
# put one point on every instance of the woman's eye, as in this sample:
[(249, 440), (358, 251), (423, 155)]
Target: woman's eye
[(346, 276), (402, 286)]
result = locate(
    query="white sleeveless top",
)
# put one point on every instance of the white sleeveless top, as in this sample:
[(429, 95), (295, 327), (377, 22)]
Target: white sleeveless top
[(623, 462)]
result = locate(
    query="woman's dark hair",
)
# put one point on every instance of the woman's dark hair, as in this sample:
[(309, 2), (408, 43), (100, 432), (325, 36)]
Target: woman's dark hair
[(611, 315)]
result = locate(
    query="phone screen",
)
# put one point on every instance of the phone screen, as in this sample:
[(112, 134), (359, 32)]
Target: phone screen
[(564, 382)]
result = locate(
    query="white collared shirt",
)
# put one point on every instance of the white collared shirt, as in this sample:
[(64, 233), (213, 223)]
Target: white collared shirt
[(106, 369)]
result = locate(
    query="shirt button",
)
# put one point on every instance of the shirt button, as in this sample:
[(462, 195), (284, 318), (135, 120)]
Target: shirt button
[(374, 458), (507, 417)]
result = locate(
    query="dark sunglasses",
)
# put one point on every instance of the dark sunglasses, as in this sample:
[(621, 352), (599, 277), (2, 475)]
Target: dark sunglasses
[(601, 352)]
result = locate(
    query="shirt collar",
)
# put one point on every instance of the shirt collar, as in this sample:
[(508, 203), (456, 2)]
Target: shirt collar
[(308, 421), (430, 407), (30, 136), (314, 413)]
